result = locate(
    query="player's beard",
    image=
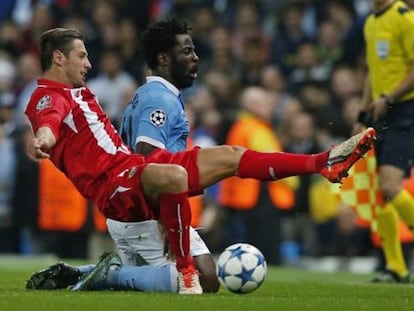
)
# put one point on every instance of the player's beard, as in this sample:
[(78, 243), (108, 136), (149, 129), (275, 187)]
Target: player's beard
[(181, 76)]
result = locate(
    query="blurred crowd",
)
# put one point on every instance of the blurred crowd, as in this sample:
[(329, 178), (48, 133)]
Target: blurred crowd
[(307, 56)]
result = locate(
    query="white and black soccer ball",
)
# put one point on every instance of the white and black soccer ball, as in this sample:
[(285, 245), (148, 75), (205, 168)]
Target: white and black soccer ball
[(241, 268)]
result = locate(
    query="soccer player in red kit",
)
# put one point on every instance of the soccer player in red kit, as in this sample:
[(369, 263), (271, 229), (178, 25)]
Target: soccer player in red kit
[(72, 130)]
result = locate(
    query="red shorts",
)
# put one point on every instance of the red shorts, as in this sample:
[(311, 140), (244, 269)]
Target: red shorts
[(125, 200)]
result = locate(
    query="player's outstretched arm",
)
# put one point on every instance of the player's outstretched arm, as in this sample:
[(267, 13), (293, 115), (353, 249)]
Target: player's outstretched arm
[(38, 146)]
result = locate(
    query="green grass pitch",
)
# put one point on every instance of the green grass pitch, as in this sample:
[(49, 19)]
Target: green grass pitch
[(284, 289)]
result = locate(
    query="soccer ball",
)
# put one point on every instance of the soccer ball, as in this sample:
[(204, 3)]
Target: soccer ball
[(241, 268)]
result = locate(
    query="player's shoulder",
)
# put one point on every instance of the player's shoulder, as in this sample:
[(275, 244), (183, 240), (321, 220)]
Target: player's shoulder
[(402, 8), (156, 88), (155, 94), (402, 11), (46, 94)]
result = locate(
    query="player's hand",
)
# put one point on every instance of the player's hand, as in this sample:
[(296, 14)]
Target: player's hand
[(357, 128), (35, 150), (379, 108)]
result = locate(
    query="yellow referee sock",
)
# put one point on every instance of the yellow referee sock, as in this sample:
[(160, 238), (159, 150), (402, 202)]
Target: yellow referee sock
[(388, 229), (404, 204)]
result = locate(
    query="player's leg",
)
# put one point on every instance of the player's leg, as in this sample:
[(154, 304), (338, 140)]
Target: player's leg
[(110, 273), (144, 243), (58, 276), (391, 181), (144, 278), (204, 263), (396, 268), (396, 160), (397, 152), (394, 151), (166, 186), (220, 162), (139, 243)]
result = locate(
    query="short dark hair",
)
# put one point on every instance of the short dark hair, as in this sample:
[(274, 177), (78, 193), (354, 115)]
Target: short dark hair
[(56, 39), (160, 37)]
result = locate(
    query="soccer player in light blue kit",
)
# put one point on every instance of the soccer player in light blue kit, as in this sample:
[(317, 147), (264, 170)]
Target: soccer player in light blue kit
[(155, 118)]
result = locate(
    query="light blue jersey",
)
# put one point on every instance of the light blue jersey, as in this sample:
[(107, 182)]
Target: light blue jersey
[(156, 116)]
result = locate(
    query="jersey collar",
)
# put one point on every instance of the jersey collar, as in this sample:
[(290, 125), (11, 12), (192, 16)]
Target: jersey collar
[(166, 83), (42, 82), (379, 13)]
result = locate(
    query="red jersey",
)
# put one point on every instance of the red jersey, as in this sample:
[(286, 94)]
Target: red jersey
[(88, 147)]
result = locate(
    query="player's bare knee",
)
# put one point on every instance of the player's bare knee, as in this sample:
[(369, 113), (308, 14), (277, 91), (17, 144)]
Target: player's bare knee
[(231, 155), (232, 150), (164, 178), (175, 178)]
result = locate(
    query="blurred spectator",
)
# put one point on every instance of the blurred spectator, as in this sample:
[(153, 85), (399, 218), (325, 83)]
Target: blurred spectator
[(293, 107), (274, 81), (11, 38), (342, 14), (248, 25), (350, 238), (298, 227), (350, 111), (222, 88), (203, 22), (254, 57), (329, 45), (41, 20), (26, 196), (289, 36), (28, 70), (252, 209), (317, 100), (133, 60), (308, 67), (103, 31), (222, 58), (7, 73), (113, 86), (8, 231), (344, 83), (324, 208)]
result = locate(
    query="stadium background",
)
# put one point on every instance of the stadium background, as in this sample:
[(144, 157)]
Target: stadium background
[(307, 54)]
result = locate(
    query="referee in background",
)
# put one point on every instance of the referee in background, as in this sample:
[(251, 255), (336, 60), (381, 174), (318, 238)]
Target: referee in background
[(388, 104)]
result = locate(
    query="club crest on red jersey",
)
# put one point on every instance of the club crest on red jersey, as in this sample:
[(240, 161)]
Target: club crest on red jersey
[(44, 102), (132, 172)]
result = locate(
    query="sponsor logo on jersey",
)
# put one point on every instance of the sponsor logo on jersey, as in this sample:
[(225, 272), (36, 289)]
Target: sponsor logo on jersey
[(158, 117), (43, 103)]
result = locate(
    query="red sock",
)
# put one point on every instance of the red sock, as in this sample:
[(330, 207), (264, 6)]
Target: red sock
[(272, 166), (175, 213)]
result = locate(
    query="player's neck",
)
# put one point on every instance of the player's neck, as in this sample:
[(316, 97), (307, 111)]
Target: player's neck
[(378, 7), (57, 76), (164, 75)]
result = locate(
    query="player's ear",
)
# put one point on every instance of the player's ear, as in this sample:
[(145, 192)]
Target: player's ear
[(163, 59), (58, 56)]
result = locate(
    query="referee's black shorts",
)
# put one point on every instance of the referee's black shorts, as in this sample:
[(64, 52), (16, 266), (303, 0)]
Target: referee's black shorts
[(395, 136)]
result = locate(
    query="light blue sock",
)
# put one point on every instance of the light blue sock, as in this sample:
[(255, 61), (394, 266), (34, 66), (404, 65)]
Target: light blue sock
[(144, 278), (86, 268)]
